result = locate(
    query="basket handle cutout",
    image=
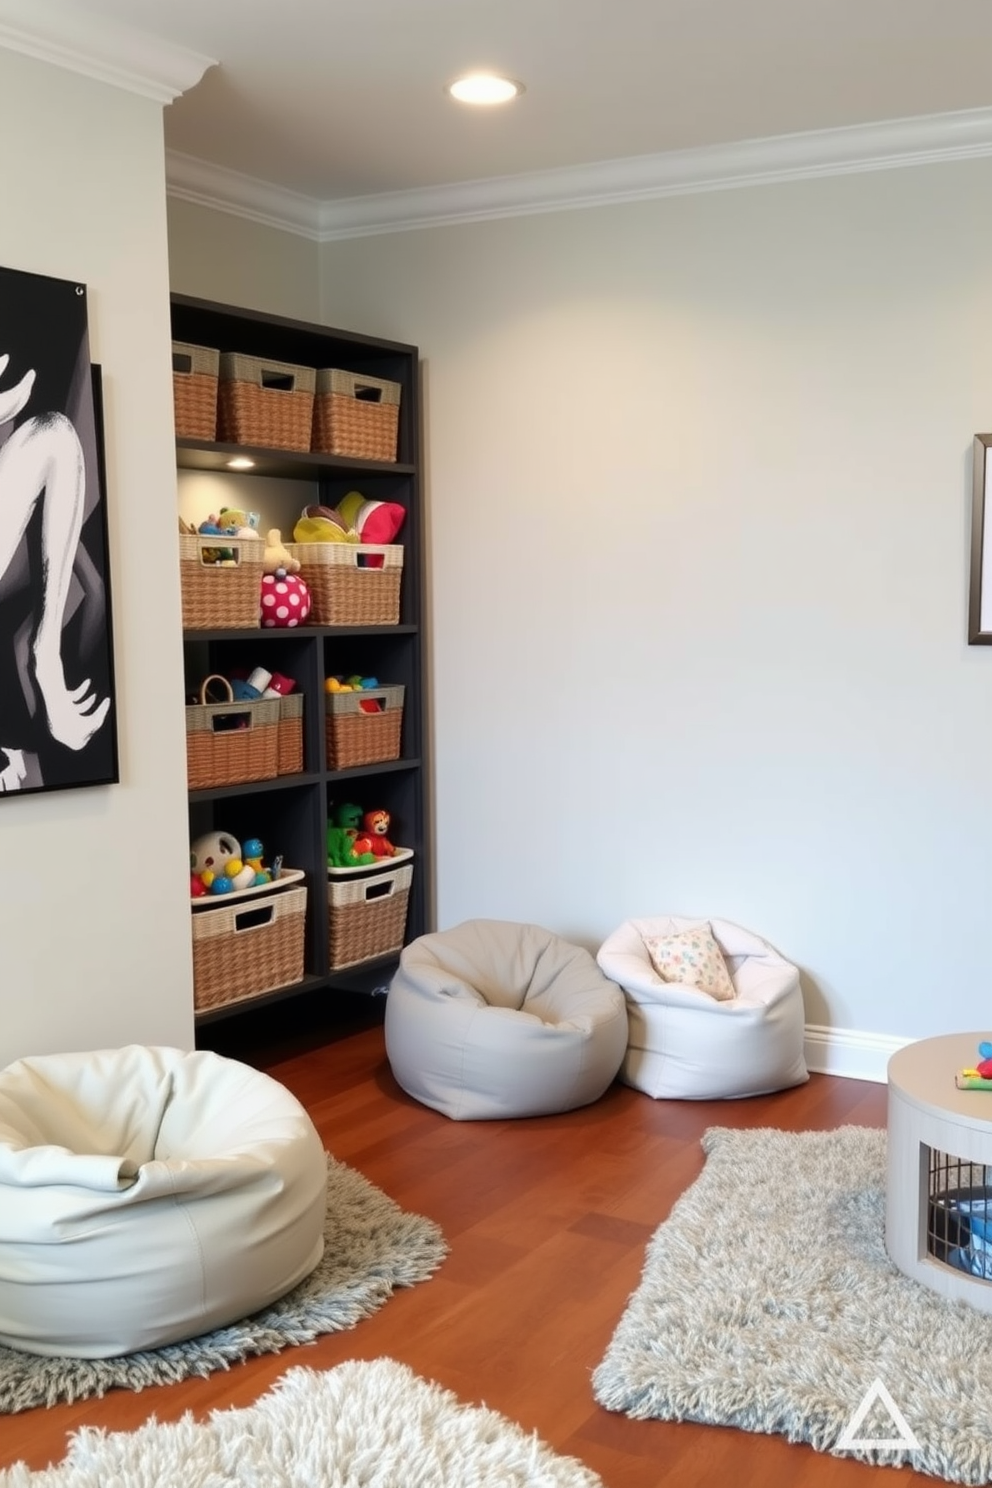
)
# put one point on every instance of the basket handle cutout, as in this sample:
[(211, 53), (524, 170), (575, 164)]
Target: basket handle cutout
[(217, 552), (226, 723), (366, 393), (182, 361), (278, 382), (372, 705), (253, 919), (379, 890)]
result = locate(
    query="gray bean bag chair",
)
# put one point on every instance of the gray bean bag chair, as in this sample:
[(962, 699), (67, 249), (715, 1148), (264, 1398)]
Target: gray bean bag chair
[(494, 1019), (148, 1195)]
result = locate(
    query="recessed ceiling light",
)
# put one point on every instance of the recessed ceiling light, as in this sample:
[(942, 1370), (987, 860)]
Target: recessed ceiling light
[(484, 87), (241, 462)]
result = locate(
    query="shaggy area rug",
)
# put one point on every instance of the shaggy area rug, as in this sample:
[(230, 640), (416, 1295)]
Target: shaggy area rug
[(360, 1425), (371, 1248), (768, 1302)]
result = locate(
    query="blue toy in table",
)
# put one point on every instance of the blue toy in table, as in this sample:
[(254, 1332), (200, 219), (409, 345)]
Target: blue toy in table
[(978, 1077)]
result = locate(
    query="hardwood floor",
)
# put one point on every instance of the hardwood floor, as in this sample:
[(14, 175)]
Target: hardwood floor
[(547, 1221)]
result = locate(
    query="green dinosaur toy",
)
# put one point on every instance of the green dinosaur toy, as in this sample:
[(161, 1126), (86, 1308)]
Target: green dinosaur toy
[(343, 841)]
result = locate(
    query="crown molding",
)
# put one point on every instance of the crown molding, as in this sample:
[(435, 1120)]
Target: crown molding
[(100, 49), (205, 185), (926, 140)]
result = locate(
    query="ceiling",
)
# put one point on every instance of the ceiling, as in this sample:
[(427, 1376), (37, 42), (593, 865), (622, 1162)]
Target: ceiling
[(343, 99)]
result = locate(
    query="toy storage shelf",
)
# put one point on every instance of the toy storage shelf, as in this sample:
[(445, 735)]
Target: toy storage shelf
[(289, 813)]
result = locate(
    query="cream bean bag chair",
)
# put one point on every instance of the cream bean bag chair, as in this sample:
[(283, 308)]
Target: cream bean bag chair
[(744, 1036), (494, 1019), (149, 1195)]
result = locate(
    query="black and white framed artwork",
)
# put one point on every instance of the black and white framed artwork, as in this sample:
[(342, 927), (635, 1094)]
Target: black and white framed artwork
[(58, 726)]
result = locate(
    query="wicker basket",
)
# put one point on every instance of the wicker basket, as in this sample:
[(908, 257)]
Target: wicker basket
[(220, 596), (194, 390), (290, 746), (363, 728), (351, 583), (367, 915), (231, 742), (265, 404), (356, 415), (242, 950)]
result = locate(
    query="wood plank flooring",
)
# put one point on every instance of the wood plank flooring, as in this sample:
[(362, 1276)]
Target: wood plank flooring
[(547, 1222)]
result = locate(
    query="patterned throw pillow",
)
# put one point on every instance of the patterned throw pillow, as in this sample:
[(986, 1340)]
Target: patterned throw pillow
[(694, 958)]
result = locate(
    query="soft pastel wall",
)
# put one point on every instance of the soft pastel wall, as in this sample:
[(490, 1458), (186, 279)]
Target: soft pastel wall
[(699, 475), (216, 256), (94, 919)]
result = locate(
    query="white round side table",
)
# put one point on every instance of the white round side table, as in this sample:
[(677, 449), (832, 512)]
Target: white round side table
[(939, 1161)]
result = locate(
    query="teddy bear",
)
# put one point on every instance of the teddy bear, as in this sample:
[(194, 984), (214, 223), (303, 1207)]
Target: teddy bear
[(375, 824)]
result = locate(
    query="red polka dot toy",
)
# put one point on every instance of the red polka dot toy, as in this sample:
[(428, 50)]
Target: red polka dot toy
[(285, 601)]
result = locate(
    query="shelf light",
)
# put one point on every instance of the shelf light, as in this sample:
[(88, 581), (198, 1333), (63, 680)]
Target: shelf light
[(484, 88), (241, 462)]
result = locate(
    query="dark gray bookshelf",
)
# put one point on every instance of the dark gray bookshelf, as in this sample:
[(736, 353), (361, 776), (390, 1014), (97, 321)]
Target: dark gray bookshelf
[(289, 813)]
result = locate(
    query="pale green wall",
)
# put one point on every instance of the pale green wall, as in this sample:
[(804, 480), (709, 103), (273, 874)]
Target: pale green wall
[(698, 480), (94, 911), (699, 475), (216, 256)]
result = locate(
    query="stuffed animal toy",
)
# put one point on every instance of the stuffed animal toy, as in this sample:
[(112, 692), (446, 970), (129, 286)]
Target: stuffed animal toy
[(345, 848), (277, 559), (376, 827), (355, 520)]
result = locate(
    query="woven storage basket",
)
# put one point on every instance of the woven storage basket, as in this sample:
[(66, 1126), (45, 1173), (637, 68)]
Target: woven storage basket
[(363, 735), (347, 586), (220, 596), (242, 950), (356, 415), (367, 915), (290, 747), (228, 743), (266, 404), (194, 390)]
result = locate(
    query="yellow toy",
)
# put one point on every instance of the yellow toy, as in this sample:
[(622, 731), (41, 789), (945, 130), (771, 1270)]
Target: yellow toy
[(277, 556)]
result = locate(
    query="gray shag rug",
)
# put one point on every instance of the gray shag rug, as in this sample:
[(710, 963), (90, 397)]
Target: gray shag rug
[(360, 1425), (768, 1302), (372, 1247)]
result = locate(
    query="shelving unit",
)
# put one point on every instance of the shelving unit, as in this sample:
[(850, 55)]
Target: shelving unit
[(289, 813)]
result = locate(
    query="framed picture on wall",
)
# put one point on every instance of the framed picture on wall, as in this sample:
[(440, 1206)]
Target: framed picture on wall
[(980, 599), (58, 725)]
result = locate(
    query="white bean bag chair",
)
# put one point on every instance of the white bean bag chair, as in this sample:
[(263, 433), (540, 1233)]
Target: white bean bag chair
[(683, 1044), (494, 1019), (149, 1195)]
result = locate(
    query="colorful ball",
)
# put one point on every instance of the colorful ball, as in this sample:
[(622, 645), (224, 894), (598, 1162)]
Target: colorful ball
[(221, 884), (285, 601)]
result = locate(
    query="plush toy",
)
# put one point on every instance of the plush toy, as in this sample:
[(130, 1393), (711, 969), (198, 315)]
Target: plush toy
[(322, 524), (277, 559), (345, 848), (376, 826), (354, 519), (374, 521)]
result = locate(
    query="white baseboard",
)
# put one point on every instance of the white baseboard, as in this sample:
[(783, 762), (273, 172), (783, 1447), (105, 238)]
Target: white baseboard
[(847, 1052)]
